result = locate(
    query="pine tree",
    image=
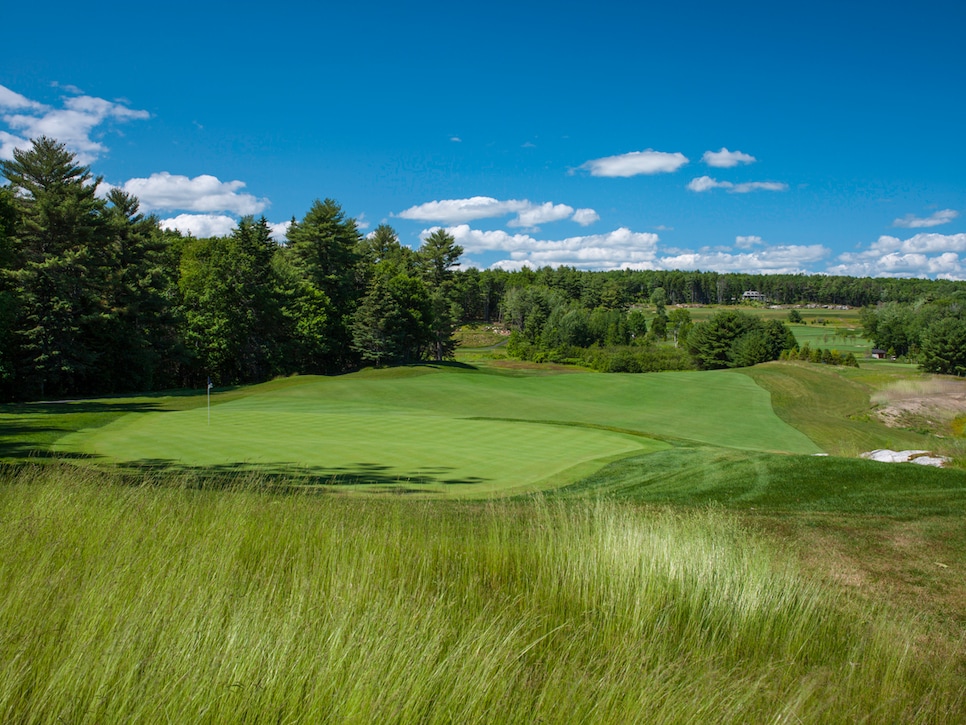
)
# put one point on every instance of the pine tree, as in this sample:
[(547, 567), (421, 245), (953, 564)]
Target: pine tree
[(438, 255), (137, 345), (58, 266), (233, 321), (324, 248)]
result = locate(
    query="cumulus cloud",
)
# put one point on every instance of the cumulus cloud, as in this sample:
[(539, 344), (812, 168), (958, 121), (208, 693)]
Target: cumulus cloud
[(528, 214), (748, 242), (625, 249), (585, 217), (9, 142), (280, 231), (12, 101), (706, 183), (613, 250), (636, 163), (725, 159), (203, 193), (73, 124), (201, 225), (454, 211), (910, 221), (922, 255), (778, 259), (542, 213)]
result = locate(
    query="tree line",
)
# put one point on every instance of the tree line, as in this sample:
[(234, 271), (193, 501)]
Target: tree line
[(96, 298)]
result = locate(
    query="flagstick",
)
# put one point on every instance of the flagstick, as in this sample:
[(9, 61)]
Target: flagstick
[(209, 402)]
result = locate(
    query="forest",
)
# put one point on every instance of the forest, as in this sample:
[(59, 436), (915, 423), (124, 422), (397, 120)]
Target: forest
[(96, 298)]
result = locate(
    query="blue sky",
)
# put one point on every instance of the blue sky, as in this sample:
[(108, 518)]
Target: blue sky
[(743, 136)]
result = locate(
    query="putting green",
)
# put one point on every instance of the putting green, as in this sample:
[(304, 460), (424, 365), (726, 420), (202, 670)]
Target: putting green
[(466, 432), (421, 452)]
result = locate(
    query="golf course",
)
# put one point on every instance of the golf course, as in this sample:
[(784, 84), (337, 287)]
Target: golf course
[(446, 430), (442, 542)]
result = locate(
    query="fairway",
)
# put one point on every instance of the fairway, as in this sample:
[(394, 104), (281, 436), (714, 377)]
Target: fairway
[(461, 431)]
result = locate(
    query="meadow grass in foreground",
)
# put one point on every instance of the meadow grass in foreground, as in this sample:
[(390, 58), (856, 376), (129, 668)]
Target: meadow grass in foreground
[(140, 603)]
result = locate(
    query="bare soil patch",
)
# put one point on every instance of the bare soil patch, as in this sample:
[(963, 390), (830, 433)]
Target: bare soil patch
[(930, 404)]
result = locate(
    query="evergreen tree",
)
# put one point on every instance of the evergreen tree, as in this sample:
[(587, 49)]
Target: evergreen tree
[(138, 343), (392, 326), (59, 259), (438, 255), (944, 347), (8, 293), (232, 312), (325, 249)]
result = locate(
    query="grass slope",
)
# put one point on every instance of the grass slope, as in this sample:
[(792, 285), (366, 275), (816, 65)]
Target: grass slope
[(831, 405), (454, 429)]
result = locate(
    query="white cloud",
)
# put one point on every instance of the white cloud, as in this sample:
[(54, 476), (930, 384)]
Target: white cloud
[(585, 217), (361, 222), (706, 183), (203, 193), (9, 142), (528, 214), (72, 125), (456, 139), (69, 87), (279, 231), (758, 186), (922, 255), (11, 100), (725, 159), (542, 213), (636, 163), (613, 250), (625, 249), (455, 211), (779, 259), (910, 221), (201, 225), (748, 242)]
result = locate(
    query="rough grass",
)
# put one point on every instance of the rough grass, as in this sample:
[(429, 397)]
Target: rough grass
[(886, 532), (136, 603), (833, 407)]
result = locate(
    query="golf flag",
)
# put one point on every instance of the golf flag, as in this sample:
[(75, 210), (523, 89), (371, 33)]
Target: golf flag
[(210, 386)]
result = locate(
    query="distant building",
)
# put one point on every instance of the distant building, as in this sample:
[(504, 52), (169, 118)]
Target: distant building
[(879, 354), (752, 296)]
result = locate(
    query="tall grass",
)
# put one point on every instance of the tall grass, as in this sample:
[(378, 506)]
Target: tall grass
[(146, 603)]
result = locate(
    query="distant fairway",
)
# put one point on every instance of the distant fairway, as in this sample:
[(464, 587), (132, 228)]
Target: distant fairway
[(462, 431)]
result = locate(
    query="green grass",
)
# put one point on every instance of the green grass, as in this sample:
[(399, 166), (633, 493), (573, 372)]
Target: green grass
[(779, 483), (453, 430), (833, 337), (683, 561), (134, 603)]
